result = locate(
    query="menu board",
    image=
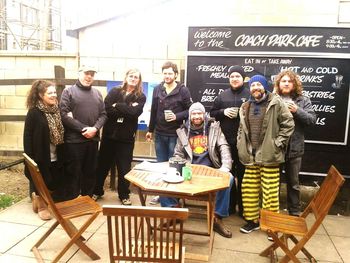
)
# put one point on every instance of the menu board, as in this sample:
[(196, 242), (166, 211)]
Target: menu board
[(325, 81), (320, 56)]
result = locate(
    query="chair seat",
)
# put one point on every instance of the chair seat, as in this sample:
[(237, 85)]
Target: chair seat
[(82, 205), (287, 224)]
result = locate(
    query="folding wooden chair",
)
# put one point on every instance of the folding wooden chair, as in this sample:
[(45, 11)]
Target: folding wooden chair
[(63, 212), (291, 226), (134, 235)]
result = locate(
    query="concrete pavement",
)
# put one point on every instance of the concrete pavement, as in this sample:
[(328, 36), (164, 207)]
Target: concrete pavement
[(20, 228)]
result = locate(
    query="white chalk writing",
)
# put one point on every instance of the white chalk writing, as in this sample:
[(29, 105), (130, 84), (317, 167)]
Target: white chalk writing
[(276, 40)]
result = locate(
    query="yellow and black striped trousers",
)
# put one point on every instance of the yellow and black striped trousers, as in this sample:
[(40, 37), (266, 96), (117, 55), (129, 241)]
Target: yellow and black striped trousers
[(264, 181)]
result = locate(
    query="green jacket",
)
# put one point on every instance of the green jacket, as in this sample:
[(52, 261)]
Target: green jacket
[(277, 127)]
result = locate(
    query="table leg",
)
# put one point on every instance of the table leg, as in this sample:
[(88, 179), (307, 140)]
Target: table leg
[(142, 197), (211, 213)]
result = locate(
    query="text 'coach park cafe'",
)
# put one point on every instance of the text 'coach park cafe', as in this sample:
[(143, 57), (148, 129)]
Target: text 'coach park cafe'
[(320, 56)]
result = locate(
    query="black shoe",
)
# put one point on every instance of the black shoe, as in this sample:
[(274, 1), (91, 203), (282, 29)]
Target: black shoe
[(297, 214), (171, 223), (249, 227)]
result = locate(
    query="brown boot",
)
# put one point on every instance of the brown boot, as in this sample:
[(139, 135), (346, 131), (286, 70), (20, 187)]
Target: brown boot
[(34, 203), (43, 211), (221, 229)]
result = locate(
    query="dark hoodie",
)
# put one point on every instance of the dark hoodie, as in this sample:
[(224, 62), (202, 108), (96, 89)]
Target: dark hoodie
[(178, 100)]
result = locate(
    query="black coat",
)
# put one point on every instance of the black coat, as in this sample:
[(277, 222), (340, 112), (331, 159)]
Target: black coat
[(121, 124), (226, 99), (36, 143)]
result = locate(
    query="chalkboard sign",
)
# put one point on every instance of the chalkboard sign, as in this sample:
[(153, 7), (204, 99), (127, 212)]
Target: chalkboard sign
[(269, 39), (325, 80), (321, 56)]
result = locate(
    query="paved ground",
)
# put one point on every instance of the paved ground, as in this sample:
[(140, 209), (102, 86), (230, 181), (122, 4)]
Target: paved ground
[(20, 228)]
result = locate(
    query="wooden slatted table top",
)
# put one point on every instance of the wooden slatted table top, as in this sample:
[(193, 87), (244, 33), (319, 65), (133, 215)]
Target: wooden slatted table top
[(204, 180)]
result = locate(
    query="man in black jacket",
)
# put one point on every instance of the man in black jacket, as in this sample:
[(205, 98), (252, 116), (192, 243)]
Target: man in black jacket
[(124, 105), (290, 88), (225, 109)]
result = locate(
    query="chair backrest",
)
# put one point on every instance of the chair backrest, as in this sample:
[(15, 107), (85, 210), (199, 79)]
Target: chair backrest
[(134, 235), (325, 196), (40, 184)]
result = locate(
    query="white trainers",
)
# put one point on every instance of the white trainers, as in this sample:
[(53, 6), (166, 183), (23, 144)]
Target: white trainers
[(96, 197), (126, 201), (154, 200)]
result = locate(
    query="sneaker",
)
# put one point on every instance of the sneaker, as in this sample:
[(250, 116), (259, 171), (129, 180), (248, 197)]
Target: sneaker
[(269, 238), (249, 227), (154, 200), (126, 201), (96, 197)]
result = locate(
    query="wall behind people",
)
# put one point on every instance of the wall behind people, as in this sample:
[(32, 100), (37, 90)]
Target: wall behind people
[(142, 36), (25, 65), (146, 37)]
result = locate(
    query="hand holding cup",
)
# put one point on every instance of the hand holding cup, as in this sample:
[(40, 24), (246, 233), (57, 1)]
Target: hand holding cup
[(169, 115), (231, 112)]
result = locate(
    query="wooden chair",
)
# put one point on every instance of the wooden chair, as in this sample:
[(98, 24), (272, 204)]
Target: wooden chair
[(291, 226), (63, 212), (134, 233)]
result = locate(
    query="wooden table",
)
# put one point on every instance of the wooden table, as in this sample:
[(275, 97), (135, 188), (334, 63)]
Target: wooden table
[(206, 181)]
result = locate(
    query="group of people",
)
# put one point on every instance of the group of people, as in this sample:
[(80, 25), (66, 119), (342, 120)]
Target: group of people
[(252, 133)]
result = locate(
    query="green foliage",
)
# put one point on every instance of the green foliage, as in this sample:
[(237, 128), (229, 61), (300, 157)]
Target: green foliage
[(6, 200)]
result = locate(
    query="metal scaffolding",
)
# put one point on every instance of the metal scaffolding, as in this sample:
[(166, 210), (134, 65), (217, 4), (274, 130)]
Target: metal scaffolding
[(30, 25)]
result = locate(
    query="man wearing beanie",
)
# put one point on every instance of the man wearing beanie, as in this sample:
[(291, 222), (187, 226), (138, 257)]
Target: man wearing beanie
[(200, 142), (265, 127), (225, 109)]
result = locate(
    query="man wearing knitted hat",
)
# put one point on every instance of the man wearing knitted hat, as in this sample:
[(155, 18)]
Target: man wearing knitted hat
[(265, 127), (201, 142), (225, 109)]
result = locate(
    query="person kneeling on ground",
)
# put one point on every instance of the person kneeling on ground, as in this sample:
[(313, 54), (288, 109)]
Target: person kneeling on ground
[(201, 142)]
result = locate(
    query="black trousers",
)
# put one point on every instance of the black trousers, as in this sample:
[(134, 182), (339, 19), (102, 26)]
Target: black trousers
[(121, 153), (236, 190), (292, 169), (80, 167)]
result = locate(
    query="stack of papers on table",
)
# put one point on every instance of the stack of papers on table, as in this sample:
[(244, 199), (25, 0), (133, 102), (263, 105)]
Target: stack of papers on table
[(152, 167)]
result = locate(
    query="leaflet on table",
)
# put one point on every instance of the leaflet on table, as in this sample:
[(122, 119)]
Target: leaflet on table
[(152, 167)]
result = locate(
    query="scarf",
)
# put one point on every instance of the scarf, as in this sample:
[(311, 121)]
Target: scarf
[(53, 117)]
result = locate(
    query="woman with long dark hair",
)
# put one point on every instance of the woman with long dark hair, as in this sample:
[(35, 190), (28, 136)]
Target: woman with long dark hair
[(43, 141), (124, 104)]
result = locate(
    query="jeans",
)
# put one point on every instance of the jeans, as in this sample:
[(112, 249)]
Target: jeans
[(222, 202), (164, 146)]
